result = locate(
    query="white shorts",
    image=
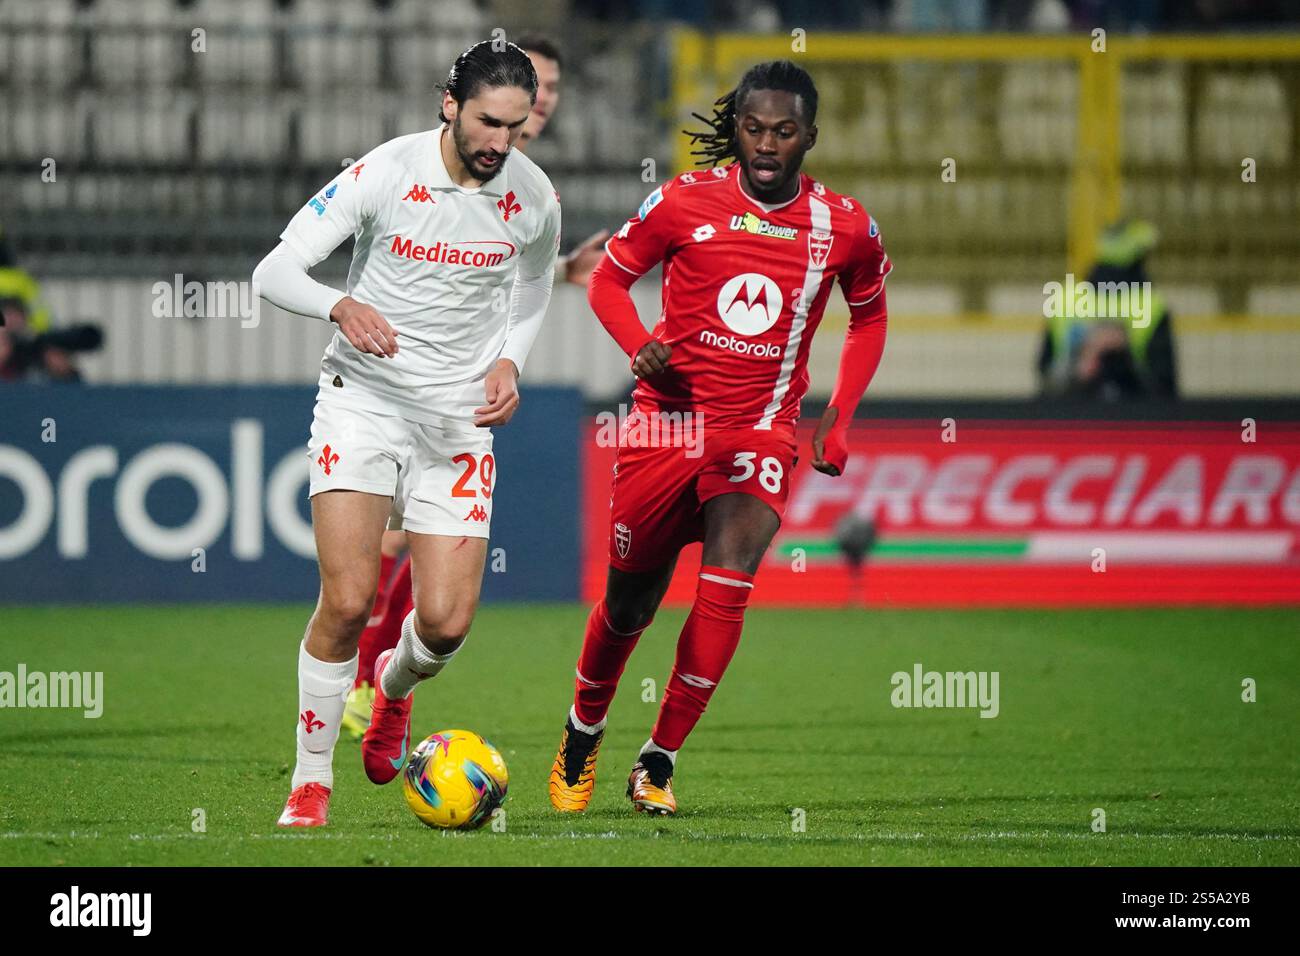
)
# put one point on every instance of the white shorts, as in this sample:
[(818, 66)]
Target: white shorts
[(440, 477)]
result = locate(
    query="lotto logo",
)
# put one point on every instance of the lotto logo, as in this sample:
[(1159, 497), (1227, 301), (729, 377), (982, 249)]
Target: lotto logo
[(703, 232), (418, 193), (327, 459), (477, 514)]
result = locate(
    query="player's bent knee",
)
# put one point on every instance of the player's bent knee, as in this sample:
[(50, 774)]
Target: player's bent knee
[(347, 613), (628, 615), (443, 630)]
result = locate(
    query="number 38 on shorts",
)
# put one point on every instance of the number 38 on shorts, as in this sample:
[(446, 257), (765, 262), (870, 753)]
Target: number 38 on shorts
[(769, 470), (749, 462)]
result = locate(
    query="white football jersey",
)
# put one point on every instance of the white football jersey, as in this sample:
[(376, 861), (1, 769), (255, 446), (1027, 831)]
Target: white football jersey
[(435, 259)]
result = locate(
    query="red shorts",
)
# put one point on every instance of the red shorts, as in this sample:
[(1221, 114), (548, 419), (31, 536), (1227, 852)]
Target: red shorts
[(657, 499)]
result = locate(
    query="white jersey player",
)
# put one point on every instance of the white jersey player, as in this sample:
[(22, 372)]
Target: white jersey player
[(455, 242)]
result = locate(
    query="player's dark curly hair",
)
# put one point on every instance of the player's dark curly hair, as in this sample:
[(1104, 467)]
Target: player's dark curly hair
[(718, 144), (489, 63)]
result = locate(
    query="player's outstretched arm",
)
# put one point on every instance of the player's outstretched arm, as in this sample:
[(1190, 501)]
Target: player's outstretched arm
[(863, 346), (610, 296), (579, 264), (281, 278)]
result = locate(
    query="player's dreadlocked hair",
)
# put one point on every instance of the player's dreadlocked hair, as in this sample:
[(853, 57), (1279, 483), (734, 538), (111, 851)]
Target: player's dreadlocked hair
[(489, 63), (719, 143)]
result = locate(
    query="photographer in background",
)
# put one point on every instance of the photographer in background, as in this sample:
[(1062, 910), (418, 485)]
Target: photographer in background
[(1113, 357), (28, 348)]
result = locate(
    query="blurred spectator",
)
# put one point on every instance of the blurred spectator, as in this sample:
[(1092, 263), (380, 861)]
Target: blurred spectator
[(28, 348), (1092, 352), (941, 16)]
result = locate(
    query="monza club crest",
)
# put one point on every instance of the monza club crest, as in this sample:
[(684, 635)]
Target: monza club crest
[(622, 539), (819, 248)]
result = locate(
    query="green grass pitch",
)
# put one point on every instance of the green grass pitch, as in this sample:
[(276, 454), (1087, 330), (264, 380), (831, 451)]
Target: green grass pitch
[(1136, 712)]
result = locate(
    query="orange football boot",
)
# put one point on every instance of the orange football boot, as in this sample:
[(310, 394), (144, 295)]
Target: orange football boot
[(650, 786), (573, 775)]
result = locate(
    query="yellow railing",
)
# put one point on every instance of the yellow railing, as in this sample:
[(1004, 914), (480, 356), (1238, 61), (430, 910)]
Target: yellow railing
[(704, 66)]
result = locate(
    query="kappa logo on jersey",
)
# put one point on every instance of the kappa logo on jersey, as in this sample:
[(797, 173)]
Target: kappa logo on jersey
[(419, 193), (750, 303), (454, 255), (650, 202), (751, 224), (508, 206), (328, 458), (477, 514), (319, 203), (819, 248), (622, 539)]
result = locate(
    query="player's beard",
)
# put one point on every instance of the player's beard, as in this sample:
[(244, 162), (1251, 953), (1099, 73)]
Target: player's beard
[(470, 159), (772, 192)]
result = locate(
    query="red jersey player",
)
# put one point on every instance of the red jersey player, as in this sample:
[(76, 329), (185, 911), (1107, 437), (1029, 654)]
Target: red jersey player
[(750, 251)]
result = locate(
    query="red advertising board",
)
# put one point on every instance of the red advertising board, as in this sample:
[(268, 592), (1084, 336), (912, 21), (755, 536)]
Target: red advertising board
[(1025, 513)]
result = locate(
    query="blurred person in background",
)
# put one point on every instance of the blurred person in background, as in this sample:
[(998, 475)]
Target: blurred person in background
[(1086, 355), (28, 348), (394, 600)]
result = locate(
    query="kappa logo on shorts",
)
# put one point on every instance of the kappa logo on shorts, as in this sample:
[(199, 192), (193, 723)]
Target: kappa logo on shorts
[(622, 539), (476, 514), (328, 458)]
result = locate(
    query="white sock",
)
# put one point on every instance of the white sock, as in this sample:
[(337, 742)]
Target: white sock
[(412, 662), (322, 693), (586, 728), (650, 745)]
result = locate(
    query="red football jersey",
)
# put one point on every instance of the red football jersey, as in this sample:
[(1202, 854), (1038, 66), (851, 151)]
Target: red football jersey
[(745, 285)]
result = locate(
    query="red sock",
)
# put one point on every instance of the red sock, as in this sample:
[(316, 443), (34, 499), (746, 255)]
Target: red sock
[(604, 654), (708, 641), (386, 565), (384, 632)]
